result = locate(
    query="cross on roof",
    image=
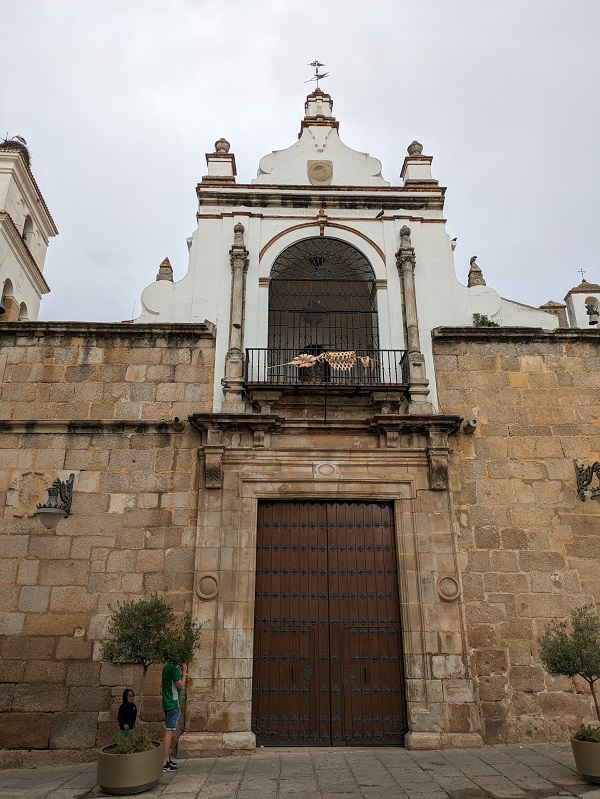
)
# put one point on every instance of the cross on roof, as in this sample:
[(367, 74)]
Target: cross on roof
[(316, 64)]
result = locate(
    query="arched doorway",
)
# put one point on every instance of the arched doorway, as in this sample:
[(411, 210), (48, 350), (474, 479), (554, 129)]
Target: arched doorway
[(322, 297)]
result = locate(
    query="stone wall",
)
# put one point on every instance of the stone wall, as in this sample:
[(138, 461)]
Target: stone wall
[(528, 547), (97, 401)]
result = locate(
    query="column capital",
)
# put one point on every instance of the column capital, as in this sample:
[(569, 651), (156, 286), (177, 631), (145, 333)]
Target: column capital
[(238, 254)]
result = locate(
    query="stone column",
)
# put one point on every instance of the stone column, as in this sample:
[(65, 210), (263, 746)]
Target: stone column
[(234, 361), (419, 384)]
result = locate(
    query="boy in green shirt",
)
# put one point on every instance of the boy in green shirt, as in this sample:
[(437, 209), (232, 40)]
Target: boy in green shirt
[(173, 681)]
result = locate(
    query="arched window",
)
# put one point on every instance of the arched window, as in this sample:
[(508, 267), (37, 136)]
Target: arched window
[(23, 314), (322, 297)]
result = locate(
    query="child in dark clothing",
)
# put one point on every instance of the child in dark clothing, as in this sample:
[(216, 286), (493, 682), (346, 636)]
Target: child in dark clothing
[(127, 713)]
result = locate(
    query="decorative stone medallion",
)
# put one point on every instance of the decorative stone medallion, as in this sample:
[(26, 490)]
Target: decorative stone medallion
[(326, 471), (320, 173), (447, 588), (26, 491), (208, 585)]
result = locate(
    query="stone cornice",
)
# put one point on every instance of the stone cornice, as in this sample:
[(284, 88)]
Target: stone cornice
[(514, 334), (276, 422), (204, 329), (108, 426), (386, 198), (446, 425)]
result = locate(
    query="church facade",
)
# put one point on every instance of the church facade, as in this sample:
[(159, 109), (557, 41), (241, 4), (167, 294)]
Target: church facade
[(367, 501)]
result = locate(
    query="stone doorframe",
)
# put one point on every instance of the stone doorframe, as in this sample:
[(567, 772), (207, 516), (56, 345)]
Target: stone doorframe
[(441, 701)]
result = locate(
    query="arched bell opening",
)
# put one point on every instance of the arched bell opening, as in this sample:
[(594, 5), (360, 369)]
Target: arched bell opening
[(322, 299), (6, 300)]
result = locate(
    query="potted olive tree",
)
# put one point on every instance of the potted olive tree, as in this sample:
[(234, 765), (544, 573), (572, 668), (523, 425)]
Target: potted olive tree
[(142, 632), (578, 653)]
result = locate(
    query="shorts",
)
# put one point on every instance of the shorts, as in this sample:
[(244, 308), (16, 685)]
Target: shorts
[(172, 717)]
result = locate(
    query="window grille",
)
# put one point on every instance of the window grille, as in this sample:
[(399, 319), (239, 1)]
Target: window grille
[(322, 297)]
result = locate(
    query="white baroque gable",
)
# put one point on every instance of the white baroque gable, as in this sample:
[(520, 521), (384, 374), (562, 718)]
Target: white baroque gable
[(319, 157)]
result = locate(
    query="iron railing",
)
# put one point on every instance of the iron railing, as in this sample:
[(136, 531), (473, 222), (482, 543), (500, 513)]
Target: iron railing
[(272, 367)]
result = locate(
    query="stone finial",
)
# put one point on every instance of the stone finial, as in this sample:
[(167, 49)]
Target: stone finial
[(475, 274), (238, 235), (222, 146), (165, 271), (405, 242), (415, 148)]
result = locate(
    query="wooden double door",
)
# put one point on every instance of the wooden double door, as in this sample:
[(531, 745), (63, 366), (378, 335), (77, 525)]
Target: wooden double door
[(327, 641)]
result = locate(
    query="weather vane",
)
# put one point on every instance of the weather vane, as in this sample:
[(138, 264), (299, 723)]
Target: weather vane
[(317, 76)]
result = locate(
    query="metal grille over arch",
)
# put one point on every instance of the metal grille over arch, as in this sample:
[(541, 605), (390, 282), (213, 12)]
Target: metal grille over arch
[(322, 297)]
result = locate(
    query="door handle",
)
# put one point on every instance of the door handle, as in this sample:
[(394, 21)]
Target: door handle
[(293, 674), (366, 674)]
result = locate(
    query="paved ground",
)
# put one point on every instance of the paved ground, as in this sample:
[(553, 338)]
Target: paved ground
[(540, 771)]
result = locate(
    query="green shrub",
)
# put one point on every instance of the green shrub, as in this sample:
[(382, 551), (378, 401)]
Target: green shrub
[(128, 745), (588, 733), (146, 631), (481, 320), (577, 652)]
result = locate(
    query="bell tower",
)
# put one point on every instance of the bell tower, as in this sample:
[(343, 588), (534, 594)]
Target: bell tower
[(25, 230)]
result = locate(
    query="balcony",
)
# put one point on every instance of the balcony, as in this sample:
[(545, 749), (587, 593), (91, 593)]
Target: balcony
[(314, 372)]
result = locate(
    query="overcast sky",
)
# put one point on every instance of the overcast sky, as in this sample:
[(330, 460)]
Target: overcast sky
[(119, 100)]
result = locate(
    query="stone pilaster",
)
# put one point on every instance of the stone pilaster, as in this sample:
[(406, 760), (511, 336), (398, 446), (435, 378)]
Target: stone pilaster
[(234, 360), (419, 384)]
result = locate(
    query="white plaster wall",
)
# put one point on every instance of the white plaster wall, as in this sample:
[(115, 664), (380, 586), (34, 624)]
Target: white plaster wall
[(12, 269), (319, 142), (576, 309), (18, 199), (204, 293), (443, 300)]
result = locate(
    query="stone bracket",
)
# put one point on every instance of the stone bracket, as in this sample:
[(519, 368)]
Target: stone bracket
[(435, 429), (212, 427), (213, 466), (438, 452)]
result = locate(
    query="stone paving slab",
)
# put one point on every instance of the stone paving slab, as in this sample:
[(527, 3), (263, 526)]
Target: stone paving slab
[(536, 771)]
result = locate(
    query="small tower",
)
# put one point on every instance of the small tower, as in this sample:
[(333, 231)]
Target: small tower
[(581, 301), (25, 230)]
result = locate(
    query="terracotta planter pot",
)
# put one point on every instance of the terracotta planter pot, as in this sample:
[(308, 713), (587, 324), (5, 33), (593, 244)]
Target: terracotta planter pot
[(587, 759), (128, 774)]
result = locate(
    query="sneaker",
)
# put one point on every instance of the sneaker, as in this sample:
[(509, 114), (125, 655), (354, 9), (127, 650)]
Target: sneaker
[(169, 767), (172, 763)]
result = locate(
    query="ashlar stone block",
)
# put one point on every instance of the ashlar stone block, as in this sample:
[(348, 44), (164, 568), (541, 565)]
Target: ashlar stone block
[(25, 730), (34, 598), (73, 730)]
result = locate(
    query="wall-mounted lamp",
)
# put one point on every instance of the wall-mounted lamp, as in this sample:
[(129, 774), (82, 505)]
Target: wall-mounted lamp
[(583, 477), (58, 505)]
